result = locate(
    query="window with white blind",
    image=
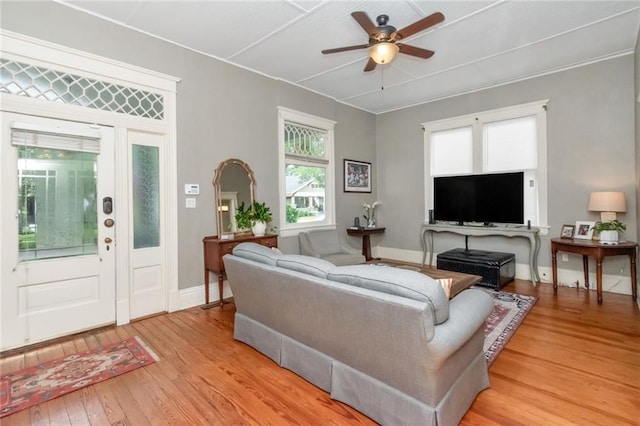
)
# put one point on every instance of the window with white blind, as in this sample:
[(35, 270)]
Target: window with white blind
[(306, 178), (505, 140)]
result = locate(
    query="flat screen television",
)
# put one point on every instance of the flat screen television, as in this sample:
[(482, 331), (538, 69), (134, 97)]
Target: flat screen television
[(486, 198)]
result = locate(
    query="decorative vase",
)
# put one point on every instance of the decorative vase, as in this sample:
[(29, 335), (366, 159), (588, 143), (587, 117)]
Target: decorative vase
[(372, 223), (609, 237), (259, 229)]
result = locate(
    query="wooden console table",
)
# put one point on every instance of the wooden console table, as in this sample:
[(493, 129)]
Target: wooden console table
[(598, 251), (533, 235), (215, 248), (366, 239)]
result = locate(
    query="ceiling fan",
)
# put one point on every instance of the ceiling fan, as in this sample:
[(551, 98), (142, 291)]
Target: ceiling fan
[(383, 38)]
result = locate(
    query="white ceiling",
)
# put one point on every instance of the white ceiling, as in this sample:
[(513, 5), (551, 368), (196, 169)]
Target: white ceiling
[(480, 44)]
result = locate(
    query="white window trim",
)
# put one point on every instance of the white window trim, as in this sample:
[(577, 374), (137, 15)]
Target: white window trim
[(286, 114), (476, 120)]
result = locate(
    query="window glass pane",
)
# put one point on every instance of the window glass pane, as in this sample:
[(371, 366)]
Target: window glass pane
[(510, 144), (304, 141), (22, 79), (146, 196), (452, 152), (305, 200), (57, 212)]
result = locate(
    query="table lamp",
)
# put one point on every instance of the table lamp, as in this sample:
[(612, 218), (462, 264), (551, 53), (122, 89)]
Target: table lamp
[(607, 203)]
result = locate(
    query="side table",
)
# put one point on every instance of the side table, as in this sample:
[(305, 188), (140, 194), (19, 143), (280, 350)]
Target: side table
[(215, 248), (366, 239), (598, 251)]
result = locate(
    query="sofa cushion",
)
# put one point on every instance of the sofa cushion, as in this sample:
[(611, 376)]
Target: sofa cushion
[(343, 259), (257, 252), (397, 281), (305, 264)]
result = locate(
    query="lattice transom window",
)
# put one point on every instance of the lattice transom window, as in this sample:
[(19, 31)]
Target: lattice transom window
[(303, 141), (22, 79)]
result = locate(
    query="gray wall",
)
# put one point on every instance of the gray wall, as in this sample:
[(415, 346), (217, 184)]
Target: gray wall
[(637, 110), (223, 111), (590, 146)]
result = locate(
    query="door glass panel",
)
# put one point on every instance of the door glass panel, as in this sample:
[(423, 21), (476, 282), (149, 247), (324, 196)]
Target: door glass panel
[(146, 196), (57, 214)]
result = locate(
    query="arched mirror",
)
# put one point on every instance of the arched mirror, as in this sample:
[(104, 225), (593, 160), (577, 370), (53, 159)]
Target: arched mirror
[(234, 184)]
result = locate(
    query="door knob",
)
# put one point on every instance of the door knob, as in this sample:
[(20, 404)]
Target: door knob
[(108, 240)]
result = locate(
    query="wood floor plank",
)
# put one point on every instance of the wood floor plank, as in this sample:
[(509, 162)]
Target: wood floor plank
[(572, 361)]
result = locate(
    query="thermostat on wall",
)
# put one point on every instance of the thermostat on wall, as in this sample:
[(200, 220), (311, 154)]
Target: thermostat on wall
[(191, 189)]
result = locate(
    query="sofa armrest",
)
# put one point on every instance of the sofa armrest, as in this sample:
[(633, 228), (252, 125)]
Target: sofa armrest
[(345, 247), (468, 312)]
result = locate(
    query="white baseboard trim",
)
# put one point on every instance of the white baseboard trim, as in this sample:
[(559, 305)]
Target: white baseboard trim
[(194, 296), (620, 284)]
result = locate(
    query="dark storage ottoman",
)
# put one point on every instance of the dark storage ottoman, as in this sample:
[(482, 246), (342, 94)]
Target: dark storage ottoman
[(496, 268)]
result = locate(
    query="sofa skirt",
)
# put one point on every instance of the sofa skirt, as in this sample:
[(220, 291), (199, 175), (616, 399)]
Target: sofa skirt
[(379, 401)]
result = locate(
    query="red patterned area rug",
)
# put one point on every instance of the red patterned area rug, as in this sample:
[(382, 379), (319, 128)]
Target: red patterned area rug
[(509, 311), (34, 385)]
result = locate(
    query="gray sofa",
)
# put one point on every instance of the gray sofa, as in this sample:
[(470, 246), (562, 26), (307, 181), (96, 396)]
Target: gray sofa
[(383, 340)]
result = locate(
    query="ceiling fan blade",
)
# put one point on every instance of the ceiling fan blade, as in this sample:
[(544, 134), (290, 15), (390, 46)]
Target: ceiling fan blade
[(365, 22), (370, 65), (419, 25), (415, 51), (345, 49)]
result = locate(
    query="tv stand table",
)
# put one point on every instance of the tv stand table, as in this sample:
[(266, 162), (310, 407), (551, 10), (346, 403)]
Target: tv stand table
[(532, 234)]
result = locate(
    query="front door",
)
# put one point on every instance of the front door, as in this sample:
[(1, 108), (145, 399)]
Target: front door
[(57, 251)]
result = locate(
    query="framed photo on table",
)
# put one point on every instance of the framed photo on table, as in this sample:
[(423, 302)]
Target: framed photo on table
[(357, 176), (567, 231), (584, 230)]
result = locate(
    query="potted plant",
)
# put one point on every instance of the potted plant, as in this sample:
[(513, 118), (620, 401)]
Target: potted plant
[(243, 218), (260, 216), (608, 231)]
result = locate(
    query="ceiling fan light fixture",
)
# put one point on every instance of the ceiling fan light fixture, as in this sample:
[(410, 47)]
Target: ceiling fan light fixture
[(384, 52)]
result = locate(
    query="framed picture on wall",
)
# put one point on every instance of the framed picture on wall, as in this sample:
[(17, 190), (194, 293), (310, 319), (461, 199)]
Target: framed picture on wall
[(584, 230), (357, 176), (567, 231)]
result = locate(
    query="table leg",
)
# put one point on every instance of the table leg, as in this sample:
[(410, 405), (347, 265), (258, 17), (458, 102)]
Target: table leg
[(634, 277), (554, 269), (431, 248), (206, 286), (585, 268), (599, 279), (366, 247), (221, 287), (424, 247), (533, 258)]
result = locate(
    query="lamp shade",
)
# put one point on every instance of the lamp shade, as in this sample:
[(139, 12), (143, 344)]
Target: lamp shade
[(383, 53), (608, 203)]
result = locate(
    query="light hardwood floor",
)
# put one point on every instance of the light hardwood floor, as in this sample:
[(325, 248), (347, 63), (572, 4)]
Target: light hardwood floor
[(570, 362)]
